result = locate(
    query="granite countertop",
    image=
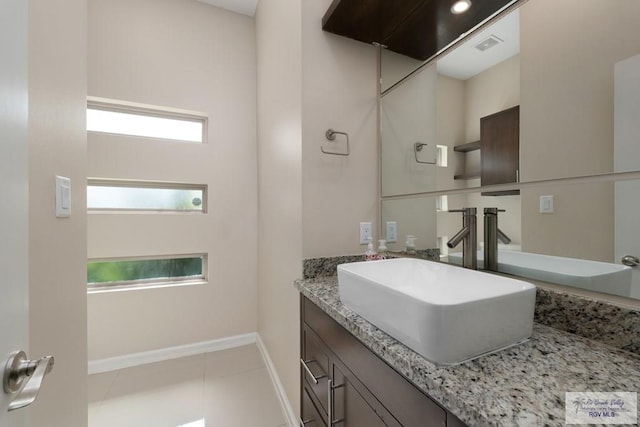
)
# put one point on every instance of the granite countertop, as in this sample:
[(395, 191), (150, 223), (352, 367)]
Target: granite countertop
[(521, 386)]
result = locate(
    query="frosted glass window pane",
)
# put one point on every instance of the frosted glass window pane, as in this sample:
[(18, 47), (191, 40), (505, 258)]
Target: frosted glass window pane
[(145, 271), (145, 198), (144, 125)]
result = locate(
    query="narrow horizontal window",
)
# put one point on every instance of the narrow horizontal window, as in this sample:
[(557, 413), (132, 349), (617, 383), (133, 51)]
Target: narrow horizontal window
[(145, 122), (114, 195), (145, 272)]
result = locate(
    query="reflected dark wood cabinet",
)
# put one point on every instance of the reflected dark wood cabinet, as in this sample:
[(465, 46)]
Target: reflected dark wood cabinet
[(500, 149), (343, 381)]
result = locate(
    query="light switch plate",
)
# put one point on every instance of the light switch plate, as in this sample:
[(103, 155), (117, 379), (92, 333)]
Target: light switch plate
[(546, 204), (63, 197)]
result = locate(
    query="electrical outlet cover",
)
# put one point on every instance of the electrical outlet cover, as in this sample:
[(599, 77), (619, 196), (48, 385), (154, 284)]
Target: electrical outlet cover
[(366, 232)]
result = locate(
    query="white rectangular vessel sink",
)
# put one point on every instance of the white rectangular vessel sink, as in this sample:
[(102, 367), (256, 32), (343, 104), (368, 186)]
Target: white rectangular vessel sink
[(445, 313)]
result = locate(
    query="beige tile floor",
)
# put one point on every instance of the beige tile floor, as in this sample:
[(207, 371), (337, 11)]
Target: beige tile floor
[(225, 388)]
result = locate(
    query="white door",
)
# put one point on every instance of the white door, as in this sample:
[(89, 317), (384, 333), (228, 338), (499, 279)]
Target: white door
[(13, 193), (627, 158)]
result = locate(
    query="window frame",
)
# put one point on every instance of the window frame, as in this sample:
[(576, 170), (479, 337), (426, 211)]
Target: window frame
[(139, 284), (135, 108), (160, 185)]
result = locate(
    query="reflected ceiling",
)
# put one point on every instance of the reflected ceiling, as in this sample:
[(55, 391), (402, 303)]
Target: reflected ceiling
[(501, 40)]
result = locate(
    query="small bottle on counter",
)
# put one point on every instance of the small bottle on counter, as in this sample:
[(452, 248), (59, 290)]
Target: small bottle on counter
[(370, 254), (382, 249), (410, 244)]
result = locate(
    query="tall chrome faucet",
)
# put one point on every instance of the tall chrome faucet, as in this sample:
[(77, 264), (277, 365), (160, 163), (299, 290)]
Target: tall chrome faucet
[(469, 238), (492, 234)]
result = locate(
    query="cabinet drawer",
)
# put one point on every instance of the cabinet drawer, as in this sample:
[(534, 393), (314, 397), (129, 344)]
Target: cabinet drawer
[(410, 406), (354, 410), (316, 359), (310, 416)]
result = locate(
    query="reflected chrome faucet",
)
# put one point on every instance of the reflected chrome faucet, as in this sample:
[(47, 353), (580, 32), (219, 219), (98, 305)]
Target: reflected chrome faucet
[(492, 234), (469, 238)]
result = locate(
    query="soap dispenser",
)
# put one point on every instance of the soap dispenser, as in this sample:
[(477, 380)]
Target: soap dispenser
[(411, 244), (370, 254), (382, 249)]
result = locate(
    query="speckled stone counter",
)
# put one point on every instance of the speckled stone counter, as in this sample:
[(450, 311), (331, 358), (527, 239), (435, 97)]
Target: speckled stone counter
[(522, 386), (611, 324), (326, 266)]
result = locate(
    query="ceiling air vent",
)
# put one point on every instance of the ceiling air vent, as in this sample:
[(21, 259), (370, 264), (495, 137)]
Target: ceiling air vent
[(488, 43)]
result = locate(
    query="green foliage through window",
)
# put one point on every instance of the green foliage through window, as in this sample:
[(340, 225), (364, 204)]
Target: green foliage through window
[(167, 269)]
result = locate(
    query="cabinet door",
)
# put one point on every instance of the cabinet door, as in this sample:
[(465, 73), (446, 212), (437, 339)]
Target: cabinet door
[(310, 416), (316, 373), (350, 408), (500, 141)]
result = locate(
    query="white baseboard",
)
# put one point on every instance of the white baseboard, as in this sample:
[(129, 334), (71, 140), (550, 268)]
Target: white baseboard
[(136, 359), (289, 413)]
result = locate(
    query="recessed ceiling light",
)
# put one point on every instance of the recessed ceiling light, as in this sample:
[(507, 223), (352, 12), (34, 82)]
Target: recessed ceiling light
[(460, 6)]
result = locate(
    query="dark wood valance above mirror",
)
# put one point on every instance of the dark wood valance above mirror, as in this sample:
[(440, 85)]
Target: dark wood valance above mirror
[(415, 28)]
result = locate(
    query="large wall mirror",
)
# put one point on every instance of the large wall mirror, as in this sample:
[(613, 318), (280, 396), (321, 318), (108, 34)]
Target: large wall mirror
[(591, 226), (555, 60), (562, 79)]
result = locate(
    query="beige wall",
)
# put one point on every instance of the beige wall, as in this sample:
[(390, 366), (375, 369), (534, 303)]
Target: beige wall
[(451, 132), (310, 203), (339, 86), (450, 129), (278, 35), (582, 225), (566, 124), (408, 115), (57, 247), (493, 90), (188, 55), (395, 67), (415, 216)]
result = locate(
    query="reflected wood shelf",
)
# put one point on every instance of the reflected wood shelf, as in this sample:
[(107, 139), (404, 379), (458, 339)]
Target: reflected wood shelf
[(464, 148), (473, 175)]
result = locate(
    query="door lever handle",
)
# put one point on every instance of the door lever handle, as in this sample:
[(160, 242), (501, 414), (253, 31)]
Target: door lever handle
[(23, 378)]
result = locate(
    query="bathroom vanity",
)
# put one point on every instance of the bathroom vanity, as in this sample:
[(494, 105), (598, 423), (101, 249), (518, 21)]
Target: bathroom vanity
[(367, 378), (345, 382)]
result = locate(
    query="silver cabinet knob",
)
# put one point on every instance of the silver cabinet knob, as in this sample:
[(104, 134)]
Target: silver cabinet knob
[(23, 378), (630, 260)]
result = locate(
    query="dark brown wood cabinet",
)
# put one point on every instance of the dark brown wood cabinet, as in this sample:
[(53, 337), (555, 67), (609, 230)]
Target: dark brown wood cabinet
[(416, 28), (500, 152), (310, 417), (343, 380)]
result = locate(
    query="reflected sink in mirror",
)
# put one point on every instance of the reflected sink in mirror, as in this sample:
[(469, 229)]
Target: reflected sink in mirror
[(592, 275), (447, 314)]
